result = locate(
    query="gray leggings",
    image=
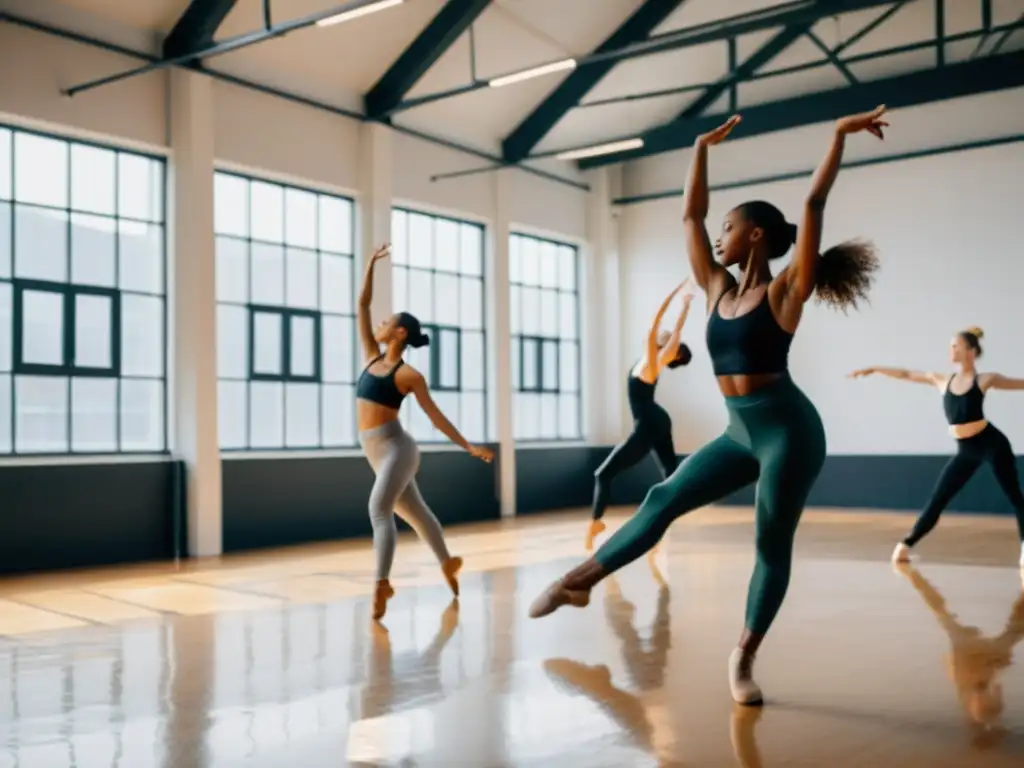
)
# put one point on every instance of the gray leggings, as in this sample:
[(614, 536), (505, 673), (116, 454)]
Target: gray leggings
[(395, 458)]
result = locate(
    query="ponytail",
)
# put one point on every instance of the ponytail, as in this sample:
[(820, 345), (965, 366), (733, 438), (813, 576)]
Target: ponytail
[(845, 273)]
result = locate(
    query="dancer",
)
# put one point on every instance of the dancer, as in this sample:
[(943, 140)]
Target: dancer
[(977, 441), (974, 660), (774, 436), (391, 451), (652, 427)]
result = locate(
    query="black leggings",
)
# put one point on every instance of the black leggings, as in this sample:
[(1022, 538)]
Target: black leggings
[(990, 446), (652, 433)]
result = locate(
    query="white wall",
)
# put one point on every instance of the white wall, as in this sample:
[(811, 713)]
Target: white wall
[(947, 230)]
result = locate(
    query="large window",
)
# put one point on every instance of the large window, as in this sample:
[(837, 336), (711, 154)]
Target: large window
[(285, 321), (82, 287), (544, 298), (438, 275)]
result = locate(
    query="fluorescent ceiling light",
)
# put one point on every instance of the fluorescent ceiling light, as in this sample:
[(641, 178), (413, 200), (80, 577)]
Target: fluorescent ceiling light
[(355, 13), (529, 74), (601, 149)]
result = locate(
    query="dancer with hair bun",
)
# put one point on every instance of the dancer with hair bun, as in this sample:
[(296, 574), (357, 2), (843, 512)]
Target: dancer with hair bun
[(391, 451), (977, 440)]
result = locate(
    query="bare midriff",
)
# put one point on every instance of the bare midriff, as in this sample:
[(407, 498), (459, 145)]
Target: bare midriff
[(739, 384), (970, 429), (370, 415)]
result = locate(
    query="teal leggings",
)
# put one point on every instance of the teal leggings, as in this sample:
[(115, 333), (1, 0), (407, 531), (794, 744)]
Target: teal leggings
[(774, 437)]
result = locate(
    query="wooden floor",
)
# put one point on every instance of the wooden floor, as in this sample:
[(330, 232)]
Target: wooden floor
[(271, 660)]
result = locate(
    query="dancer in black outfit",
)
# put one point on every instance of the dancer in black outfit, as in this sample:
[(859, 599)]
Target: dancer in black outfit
[(978, 441), (652, 427)]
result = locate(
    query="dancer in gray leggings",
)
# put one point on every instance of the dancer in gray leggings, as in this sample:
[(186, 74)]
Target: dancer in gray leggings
[(391, 451)]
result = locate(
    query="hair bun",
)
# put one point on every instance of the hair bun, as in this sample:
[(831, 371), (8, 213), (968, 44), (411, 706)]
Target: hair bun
[(791, 229), (976, 332), (421, 341)]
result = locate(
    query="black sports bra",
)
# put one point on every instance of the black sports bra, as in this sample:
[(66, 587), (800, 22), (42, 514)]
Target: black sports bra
[(749, 344), (965, 408), (380, 389)]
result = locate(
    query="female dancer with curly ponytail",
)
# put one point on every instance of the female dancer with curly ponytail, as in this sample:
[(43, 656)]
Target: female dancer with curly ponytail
[(977, 440), (775, 436)]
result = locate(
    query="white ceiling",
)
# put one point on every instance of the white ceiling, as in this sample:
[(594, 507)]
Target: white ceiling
[(343, 61)]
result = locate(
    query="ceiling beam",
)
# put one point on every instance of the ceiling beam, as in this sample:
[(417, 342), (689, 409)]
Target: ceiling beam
[(197, 26), (573, 88), (984, 75), (454, 18)]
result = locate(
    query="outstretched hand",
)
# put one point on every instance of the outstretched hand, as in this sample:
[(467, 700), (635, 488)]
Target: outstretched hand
[(861, 373), (871, 122), (719, 134), (381, 253), (481, 452)]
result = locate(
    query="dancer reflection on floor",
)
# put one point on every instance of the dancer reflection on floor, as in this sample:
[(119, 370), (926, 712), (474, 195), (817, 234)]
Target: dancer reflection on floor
[(974, 661)]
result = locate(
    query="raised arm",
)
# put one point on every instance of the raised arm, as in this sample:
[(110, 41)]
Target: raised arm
[(998, 381), (371, 348), (802, 272), (418, 386), (918, 377), (709, 274), (671, 348), (651, 350)]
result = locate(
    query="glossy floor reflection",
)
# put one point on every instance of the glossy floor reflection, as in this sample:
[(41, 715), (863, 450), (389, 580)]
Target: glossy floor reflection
[(271, 660)]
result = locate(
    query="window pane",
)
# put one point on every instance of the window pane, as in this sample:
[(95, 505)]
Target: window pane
[(547, 427), (5, 164), (515, 302), (231, 413), (549, 365), (471, 250), (567, 312), (142, 415), (42, 330), (529, 261), (41, 415), (446, 298), (474, 361), (338, 414), (6, 328), (267, 333), (516, 359), (6, 438), (569, 367), (94, 414), (529, 364), (421, 295), (303, 419), (266, 211), (515, 259), (300, 226), (446, 245), (92, 179), (548, 265), (5, 239), (40, 243), (140, 256), (338, 354), (301, 280), (303, 346), (93, 332), (527, 416), (473, 421), (266, 414), (93, 250), (335, 225), (399, 287), (232, 270), (531, 310), (568, 416), (421, 240), (566, 268), (40, 170), (142, 335), (399, 237), (230, 205), (336, 283), (267, 265), (448, 359), (549, 313), (471, 304), (140, 188), (232, 342)]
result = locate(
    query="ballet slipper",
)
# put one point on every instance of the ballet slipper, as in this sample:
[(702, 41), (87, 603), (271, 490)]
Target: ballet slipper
[(450, 568), (381, 595), (741, 679), (557, 595), (596, 529), (901, 554)]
